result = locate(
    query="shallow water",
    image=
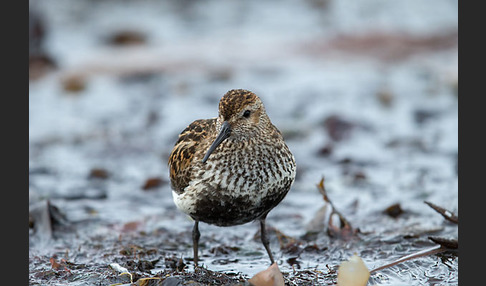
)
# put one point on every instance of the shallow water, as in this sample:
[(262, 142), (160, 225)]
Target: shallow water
[(361, 98)]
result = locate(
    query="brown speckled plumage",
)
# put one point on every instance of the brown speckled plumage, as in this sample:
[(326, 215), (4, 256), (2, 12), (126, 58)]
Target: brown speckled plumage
[(232, 169)]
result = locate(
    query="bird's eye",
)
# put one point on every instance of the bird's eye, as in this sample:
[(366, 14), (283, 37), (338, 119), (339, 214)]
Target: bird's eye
[(246, 113)]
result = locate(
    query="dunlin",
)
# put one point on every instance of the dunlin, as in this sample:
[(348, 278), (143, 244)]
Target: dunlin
[(231, 169)]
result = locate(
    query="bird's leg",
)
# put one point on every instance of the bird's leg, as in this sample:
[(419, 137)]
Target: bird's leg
[(264, 237), (195, 240)]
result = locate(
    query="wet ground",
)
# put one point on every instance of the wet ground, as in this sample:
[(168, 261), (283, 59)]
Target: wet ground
[(365, 95)]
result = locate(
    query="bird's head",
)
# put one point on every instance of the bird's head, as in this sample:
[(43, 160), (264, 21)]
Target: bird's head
[(241, 117)]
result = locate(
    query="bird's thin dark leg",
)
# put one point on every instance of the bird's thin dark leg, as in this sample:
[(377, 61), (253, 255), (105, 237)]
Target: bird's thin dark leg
[(195, 240), (263, 234)]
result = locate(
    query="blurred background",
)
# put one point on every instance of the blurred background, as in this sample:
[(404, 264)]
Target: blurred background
[(365, 93)]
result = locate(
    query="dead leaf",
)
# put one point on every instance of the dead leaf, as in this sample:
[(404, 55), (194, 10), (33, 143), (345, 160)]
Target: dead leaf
[(98, 173), (74, 83), (269, 277), (445, 242), (152, 183), (44, 216), (54, 264), (394, 210), (385, 97), (153, 281), (344, 230), (127, 37), (448, 215), (338, 128), (131, 226)]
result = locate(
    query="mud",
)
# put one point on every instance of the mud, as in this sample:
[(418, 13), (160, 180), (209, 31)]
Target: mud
[(380, 127)]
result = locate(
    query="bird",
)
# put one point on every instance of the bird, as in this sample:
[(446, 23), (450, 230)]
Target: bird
[(232, 169)]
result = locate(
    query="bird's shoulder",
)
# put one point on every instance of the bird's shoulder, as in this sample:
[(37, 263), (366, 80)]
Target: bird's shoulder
[(197, 130)]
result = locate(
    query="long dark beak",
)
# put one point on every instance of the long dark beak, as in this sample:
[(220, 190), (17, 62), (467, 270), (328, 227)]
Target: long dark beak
[(223, 134)]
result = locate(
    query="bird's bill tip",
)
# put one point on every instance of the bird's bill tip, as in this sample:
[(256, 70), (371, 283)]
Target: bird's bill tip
[(224, 133)]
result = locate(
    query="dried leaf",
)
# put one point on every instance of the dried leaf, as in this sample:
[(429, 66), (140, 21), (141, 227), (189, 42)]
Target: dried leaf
[(131, 226), (385, 97), (269, 277), (394, 210), (174, 263), (317, 222), (445, 242), (44, 216), (74, 83), (448, 215), (54, 264), (338, 128), (98, 173), (153, 281), (127, 37), (344, 230), (152, 183)]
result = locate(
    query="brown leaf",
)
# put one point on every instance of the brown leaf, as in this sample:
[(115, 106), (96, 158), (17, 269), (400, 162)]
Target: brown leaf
[(322, 190), (127, 37), (44, 216), (152, 183), (269, 277), (40, 65), (152, 281), (448, 215), (385, 97), (326, 150), (74, 83), (131, 226), (98, 173), (445, 242), (54, 264), (338, 128), (344, 230), (394, 210)]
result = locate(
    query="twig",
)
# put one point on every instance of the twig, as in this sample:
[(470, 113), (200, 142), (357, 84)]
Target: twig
[(429, 251)]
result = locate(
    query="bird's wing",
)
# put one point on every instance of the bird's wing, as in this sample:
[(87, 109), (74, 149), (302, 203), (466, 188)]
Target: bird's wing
[(182, 156)]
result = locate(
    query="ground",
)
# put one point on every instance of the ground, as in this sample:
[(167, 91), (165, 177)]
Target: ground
[(366, 97)]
